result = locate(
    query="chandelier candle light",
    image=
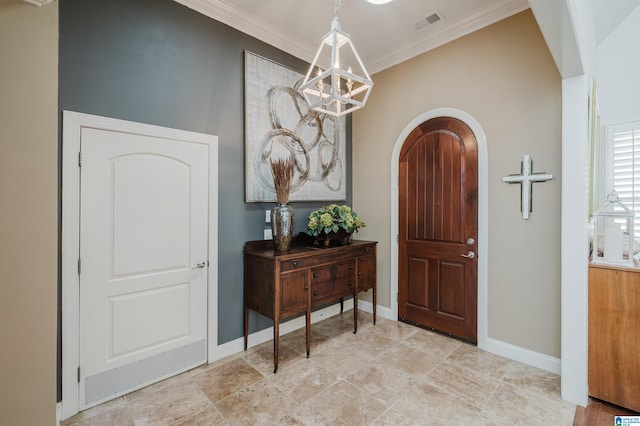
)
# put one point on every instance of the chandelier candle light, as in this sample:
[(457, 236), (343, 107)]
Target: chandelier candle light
[(337, 91)]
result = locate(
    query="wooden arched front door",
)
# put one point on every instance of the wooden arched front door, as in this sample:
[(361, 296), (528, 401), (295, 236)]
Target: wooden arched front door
[(438, 229)]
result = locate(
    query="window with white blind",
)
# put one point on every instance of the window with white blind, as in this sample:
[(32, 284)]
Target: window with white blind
[(624, 173)]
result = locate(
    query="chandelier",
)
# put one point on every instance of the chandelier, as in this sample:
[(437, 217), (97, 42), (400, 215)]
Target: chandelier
[(343, 85)]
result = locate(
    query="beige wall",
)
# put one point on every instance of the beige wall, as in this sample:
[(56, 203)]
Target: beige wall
[(505, 78), (28, 212)]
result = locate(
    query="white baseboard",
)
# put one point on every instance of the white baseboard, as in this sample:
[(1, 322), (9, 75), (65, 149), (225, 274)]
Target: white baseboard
[(523, 355), (236, 346), (381, 311)]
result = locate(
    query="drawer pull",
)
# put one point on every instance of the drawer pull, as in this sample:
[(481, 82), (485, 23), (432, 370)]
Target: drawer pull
[(315, 292), (350, 267), (350, 284), (295, 263), (366, 250), (315, 275), (306, 287)]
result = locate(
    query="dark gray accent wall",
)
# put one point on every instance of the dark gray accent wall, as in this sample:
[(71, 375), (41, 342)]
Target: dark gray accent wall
[(158, 62)]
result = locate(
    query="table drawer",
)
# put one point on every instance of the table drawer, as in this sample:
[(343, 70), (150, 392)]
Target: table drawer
[(330, 283)]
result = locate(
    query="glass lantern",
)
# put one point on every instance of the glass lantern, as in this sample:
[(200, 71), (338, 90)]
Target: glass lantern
[(613, 233)]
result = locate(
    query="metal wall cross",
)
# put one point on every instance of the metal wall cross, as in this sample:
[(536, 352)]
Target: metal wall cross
[(526, 178)]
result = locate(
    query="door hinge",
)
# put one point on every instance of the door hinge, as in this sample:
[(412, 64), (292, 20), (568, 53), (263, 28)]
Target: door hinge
[(79, 158), (79, 266), (78, 374)]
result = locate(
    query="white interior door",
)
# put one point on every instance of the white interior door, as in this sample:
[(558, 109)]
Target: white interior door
[(143, 261)]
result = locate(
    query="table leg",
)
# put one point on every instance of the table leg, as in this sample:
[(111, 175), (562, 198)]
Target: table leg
[(276, 342), (308, 331), (246, 327), (355, 313), (374, 305)]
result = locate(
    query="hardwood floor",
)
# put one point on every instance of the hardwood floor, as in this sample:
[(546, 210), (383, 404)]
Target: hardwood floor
[(599, 413)]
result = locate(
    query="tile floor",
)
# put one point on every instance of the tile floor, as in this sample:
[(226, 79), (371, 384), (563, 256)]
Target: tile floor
[(388, 374)]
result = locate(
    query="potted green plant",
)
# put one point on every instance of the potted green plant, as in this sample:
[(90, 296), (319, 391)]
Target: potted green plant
[(334, 223)]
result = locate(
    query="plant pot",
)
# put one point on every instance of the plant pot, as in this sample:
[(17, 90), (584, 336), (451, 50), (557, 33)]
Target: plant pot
[(340, 238)]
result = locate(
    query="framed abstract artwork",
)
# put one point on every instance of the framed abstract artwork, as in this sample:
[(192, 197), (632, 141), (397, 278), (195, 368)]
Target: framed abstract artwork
[(279, 124)]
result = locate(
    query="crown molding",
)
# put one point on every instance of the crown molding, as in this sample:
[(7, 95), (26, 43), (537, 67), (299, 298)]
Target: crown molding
[(277, 37), (453, 30), (252, 26)]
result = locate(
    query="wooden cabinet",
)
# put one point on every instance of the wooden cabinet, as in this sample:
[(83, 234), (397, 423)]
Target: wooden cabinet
[(280, 286), (614, 335)]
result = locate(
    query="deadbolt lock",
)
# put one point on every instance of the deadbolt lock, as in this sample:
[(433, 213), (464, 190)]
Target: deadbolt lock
[(470, 241)]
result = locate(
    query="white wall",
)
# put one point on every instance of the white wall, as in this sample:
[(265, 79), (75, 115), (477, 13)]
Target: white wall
[(617, 72)]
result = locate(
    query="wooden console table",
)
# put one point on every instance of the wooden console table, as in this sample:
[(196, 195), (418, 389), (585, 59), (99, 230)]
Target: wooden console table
[(280, 286), (614, 335)]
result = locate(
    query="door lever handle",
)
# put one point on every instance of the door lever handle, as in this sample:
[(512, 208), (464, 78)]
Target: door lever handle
[(469, 255), (201, 265)]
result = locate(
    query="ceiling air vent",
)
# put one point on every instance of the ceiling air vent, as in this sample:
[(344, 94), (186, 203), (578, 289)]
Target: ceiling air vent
[(428, 21)]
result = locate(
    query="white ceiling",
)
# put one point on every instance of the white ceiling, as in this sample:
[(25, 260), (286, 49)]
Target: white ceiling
[(384, 35), (608, 14)]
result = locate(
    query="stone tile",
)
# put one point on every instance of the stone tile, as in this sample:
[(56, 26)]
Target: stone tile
[(168, 402), (428, 341), (533, 380), (390, 373), (380, 381), (303, 380), (370, 341), (365, 319), (333, 327), (394, 330), (476, 359), (428, 405), (341, 404), (225, 379), (342, 360), (409, 360), (393, 418), (470, 386), (296, 340), (510, 406), (261, 357), (208, 417), (106, 414), (259, 404)]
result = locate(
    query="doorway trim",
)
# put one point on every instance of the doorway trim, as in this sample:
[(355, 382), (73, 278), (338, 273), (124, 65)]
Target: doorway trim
[(483, 211), (73, 122)]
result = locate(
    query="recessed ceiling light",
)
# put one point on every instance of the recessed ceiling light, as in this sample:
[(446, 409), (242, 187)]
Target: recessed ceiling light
[(378, 1)]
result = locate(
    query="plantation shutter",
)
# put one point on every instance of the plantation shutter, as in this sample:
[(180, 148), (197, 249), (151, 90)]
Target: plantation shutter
[(626, 168)]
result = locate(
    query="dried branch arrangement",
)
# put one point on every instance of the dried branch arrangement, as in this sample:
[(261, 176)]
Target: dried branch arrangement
[(282, 171)]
